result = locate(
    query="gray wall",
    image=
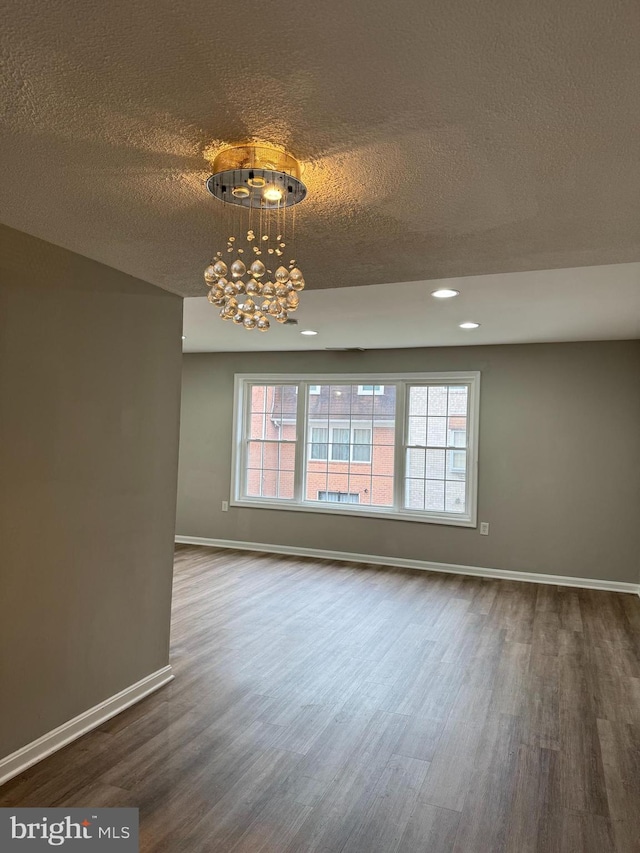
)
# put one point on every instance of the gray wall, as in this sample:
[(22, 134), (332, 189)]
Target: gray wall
[(90, 363), (559, 459)]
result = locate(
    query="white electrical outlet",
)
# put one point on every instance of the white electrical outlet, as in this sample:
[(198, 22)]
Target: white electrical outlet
[(225, 506), (484, 528)]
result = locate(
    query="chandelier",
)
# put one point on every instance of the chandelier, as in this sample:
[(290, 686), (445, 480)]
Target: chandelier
[(251, 283)]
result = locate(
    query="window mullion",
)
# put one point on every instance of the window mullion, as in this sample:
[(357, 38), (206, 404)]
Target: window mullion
[(399, 455), (299, 465)]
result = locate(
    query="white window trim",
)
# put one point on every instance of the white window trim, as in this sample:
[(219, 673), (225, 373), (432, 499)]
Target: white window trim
[(314, 389), (298, 504)]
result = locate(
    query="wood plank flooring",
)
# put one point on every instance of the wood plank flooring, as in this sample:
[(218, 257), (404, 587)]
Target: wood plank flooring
[(325, 707)]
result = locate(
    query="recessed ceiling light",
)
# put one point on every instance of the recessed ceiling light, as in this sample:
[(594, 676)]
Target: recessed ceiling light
[(308, 332), (184, 337), (469, 325), (445, 293)]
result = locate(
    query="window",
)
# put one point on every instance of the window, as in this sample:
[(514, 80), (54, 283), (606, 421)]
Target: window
[(340, 444), (403, 449), (346, 445), (269, 442), (361, 445), (319, 443), (457, 458), (339, 497), (435, 478)]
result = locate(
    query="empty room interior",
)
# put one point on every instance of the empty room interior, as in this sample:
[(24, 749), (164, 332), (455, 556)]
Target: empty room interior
[(320, 426)]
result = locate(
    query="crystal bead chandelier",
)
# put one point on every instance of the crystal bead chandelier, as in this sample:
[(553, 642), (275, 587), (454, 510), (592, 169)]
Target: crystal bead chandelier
[(251, 285)]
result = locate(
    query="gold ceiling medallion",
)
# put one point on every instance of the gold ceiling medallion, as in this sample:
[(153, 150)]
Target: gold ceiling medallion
[(258, 183)]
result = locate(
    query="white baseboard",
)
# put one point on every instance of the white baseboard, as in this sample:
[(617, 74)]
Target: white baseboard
[(424, 565), (54, 740)]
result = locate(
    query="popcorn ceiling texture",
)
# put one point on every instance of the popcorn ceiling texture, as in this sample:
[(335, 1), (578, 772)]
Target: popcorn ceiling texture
[(440, 139)]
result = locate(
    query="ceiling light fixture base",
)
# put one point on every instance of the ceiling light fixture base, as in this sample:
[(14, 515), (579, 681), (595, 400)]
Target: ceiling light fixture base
[(257, 176)]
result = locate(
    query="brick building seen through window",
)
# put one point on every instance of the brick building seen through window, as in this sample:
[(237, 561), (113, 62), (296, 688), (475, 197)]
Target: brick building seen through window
[(350, 453)]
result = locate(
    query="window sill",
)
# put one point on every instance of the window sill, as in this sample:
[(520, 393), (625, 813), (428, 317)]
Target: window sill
[(357, 510)]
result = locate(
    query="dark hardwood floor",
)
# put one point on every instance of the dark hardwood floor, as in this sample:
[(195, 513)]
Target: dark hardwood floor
[(335, 708)]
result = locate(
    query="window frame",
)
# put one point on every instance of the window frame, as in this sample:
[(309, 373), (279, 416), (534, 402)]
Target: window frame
[(376, 390), (238, 449), (241, 401)]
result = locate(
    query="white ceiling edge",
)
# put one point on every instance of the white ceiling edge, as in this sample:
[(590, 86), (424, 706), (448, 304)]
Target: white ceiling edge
[(576, 304)]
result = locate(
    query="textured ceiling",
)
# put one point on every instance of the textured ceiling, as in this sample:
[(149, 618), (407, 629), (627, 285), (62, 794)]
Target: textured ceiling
[(440, 139)]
